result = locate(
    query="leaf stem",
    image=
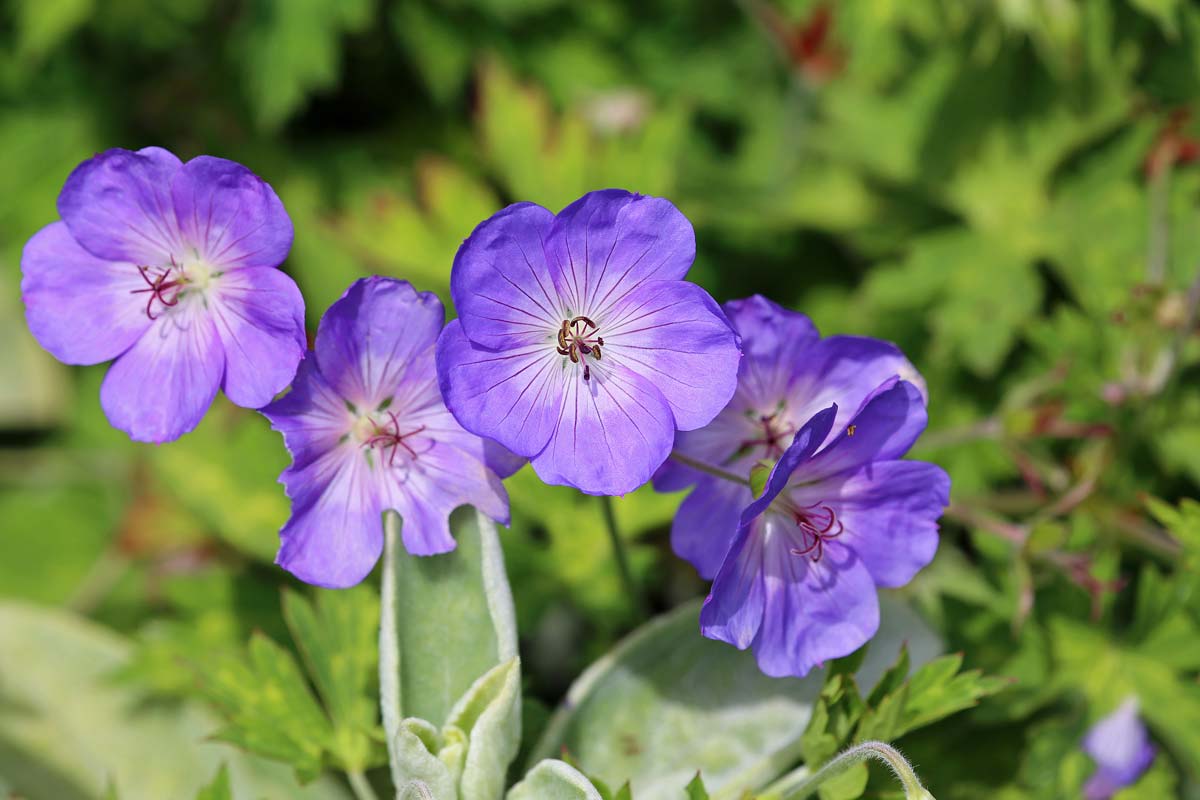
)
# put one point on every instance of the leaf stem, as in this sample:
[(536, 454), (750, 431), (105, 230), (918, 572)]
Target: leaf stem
[(618, 546), (717, 472), (360, 785), (389, 645), (800, 784)]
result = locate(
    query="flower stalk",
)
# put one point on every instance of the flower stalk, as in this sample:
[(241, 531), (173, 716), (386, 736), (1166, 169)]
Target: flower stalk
[(801, 784)]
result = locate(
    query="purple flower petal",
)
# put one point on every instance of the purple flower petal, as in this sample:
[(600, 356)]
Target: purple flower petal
[(813, 611), (160, 388), (707, 522), (612, 432), (889, 511), (674, 335), (118, 206), (848, 370), (312, 417), (81, 308), (1121, 748), (712, 445), (501, 460), (795, 612), (884, 430), (259, 316), (335, 533), (501, 282), (512, 396), (229, 217), (368, 338), (608, 243), (773, 340)]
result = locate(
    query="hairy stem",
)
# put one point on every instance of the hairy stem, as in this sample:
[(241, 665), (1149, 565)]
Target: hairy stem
[(360, 786), (389, 645), (801, 784)]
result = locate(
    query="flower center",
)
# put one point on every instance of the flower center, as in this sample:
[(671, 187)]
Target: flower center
[(577, 339), (387, 436), (772, 435), (818, 524), (166, 285)]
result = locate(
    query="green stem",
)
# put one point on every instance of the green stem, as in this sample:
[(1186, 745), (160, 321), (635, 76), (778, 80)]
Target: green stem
[(801, 784), (389, 645), (618, 546), (717, 472), (360, 786)]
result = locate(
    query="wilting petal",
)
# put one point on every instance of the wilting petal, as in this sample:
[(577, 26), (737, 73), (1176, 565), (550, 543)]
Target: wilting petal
[(707, 523), (369, 337), (806, 441), (79, 307), (612, 432), (512, 396), (501, 283), (847, 370), (335, 533), (160, 388), (889, 512), (676, 337), (608, 243), (118, 206), (883, 431), (311, 417), (259, 316), (1121, 748), (228, 216), (812, 611)]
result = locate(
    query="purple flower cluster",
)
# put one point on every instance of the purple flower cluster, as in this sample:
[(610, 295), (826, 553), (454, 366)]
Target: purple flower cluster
[(578, 346)]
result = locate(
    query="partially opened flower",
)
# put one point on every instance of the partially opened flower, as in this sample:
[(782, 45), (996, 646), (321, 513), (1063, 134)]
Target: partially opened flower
[(1121, 748), (578, 343), (368, 432), (170, 269), (787, 375), (798, 583)]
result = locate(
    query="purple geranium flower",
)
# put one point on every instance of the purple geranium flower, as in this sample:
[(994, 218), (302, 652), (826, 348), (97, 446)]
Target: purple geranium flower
[(1121, 749), (169, 268), (579, 345), (787, 375), (368, 431), (838, 518)]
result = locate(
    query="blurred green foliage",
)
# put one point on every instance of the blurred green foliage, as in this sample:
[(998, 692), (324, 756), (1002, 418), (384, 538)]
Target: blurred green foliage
[(1005, 188)]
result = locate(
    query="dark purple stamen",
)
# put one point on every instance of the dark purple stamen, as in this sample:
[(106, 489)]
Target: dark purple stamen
[(774, 436), (577, 338), (390, 436), (817, 523), (159, 285)]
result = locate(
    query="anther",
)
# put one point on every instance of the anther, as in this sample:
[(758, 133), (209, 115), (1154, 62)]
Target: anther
[(390, 436)]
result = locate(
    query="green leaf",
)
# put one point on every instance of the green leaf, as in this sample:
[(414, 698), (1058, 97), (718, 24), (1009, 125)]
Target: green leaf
[(269, 705), (489, 714), (696, 790), (219, 789), (453, 615), (291, 48), (554, 780), (66, 728), (43, 24), (340, 646), (667, 703)]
